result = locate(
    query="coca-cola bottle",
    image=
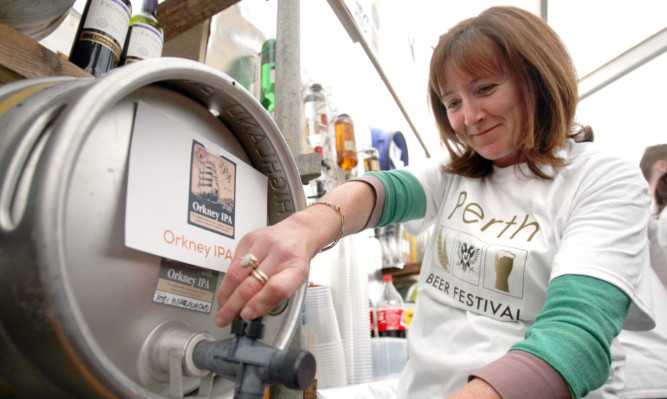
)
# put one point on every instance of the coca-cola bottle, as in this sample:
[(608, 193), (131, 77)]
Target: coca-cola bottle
[(390, 310), (373, 317)]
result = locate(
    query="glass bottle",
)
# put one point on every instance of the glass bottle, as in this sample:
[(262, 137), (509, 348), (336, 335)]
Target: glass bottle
[(390, 310), (101, 34), (371, 159), (268, 75), (317, 119), (145, 37), (346, 147)]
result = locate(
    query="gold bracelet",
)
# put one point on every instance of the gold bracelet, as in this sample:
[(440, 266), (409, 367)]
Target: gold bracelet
[(342, 222)]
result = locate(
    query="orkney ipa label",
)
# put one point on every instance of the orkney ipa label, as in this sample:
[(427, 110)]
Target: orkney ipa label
[(187, 287), (183, 202), (212, 191)]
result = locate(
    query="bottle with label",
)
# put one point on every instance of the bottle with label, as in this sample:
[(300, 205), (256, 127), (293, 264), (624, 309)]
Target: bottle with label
[(346, 146), (373, 318), (145, 37), (268, 75), (100, 38), (390, 310), (370, 158), (317, 120), (410, 304)]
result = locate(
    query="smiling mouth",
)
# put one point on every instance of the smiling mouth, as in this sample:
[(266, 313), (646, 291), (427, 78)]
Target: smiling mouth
[(484, 132)]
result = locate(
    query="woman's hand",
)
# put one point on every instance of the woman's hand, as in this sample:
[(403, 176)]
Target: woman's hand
[(283, 256), (284, 252)]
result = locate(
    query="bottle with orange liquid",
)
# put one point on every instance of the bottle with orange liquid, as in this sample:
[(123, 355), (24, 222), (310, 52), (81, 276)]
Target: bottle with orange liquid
[(346, 147)]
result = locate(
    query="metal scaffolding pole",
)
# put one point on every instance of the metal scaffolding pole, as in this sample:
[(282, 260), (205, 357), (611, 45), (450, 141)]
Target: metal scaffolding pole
[(289, 110)]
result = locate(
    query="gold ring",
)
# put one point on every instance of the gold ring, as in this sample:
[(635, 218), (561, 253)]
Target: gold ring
[(250, 259), (261, 276)]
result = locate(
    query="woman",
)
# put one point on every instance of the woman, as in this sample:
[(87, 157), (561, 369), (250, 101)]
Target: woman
[(538, 241)]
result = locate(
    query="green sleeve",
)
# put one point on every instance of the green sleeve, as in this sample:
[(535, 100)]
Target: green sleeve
[(574, 330), (404, 197)]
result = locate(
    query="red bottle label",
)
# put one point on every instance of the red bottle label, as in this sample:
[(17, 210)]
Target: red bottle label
[(390, 318)]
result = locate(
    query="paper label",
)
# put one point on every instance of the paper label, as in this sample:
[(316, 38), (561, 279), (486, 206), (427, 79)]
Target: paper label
[(183, 200), (186, 287)]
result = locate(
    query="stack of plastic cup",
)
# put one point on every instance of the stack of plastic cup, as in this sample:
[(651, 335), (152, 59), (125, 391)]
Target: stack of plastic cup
[(320, 327), (349, 289)]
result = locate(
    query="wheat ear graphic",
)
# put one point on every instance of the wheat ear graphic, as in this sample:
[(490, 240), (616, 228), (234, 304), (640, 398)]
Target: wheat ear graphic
[(442, 251)]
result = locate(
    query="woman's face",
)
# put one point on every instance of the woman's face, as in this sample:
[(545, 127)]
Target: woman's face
[(486, 112)]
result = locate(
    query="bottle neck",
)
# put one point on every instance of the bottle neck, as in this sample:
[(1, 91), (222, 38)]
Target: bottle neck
[(149, 7)]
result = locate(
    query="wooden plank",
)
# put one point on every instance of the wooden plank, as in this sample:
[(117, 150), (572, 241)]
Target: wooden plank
[(406, 270), (23, 58), (191, 44), (178, 16)]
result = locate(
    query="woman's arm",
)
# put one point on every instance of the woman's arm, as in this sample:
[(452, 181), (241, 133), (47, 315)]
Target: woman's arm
[(566, 353), (476, 389), (284, 251)]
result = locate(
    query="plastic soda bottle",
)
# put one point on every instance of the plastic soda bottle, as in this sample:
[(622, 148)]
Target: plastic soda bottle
[(390, 310)]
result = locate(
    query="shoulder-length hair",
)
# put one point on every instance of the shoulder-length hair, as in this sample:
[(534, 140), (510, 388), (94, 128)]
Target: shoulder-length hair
[(539, 62)]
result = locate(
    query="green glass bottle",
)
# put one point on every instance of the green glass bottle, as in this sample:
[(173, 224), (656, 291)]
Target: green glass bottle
[(268, 75), (145, 37)]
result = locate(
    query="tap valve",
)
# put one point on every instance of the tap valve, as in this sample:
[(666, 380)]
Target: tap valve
[(254, 365)]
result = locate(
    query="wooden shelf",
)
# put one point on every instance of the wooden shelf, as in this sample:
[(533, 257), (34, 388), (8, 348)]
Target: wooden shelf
[(407, 270), (178, 16), (23, 58)]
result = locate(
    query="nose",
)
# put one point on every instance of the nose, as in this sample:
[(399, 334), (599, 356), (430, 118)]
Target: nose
[(472, 113)]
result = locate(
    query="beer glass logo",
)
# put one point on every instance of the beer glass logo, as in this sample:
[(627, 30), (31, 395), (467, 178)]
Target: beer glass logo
[(504, 261)]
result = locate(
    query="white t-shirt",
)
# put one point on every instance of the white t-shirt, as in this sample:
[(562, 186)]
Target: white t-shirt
[(645, 366), (661, 231), (498, 241), (657, 234), (646, 351)]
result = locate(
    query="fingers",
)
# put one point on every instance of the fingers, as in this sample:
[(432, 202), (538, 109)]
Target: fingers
[(279, 287), (237, 286), (232, 306), (233, 277), (242, 292)]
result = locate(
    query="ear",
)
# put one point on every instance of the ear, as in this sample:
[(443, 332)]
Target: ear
[(660, 167)]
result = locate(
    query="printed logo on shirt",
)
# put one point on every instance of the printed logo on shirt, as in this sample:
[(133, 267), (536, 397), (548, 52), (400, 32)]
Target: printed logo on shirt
[(442, 250), (467, 258), (474, 273)]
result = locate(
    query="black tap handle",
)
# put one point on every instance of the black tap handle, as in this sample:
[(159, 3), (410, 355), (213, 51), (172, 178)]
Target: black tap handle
[(256, 329), (238, 327), (252, 329)]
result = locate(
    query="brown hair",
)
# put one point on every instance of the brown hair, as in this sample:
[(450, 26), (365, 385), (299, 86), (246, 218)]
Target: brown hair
[(537, 59), (652, 155), (661, 193)]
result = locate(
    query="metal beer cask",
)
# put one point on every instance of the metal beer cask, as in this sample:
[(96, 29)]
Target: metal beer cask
[(76, 309)]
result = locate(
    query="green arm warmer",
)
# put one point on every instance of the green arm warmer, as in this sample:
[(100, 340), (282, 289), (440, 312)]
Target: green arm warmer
[(404, 197), (574, 330)]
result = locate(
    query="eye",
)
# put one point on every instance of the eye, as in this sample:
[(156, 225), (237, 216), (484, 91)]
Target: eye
[(486, 89), (450, 104)]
